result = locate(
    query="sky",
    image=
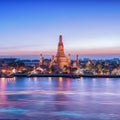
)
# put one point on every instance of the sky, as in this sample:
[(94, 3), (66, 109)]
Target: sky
[(31, 27)]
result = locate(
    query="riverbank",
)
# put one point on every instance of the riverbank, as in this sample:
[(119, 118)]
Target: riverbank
[(74, 76), (62, 75)]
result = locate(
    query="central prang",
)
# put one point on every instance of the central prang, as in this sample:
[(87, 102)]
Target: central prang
[(60, 56)]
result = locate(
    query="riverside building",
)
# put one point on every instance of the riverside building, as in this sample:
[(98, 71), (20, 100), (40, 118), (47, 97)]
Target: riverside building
[(60, 59)]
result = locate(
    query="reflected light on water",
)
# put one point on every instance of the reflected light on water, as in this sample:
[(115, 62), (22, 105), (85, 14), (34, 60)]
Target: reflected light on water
[(107, 78), (94, 81), (62, 98), (3, 83), (108, 81), (108, 84), (60, 82), (35, 78), (81, 80), (68, 83), (11, 80), (49, 80)]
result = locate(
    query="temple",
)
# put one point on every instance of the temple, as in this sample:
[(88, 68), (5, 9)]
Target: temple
[(60, 61), (60, 56)]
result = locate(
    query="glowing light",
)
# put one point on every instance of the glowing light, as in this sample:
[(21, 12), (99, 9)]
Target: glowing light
[(94, 81), (3, 71), (50, 79), (3, 83), (35, 78), (107, 78), (68, 83), (81, 78), (60, 82), (60, 79)]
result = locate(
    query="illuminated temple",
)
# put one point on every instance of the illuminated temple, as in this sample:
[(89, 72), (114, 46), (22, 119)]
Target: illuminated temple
[(60, 56), (60, 60)]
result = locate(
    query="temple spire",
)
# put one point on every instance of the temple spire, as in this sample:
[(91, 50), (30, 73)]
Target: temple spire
[(60, 40), (60, 57), (41, 59), (60, 51)]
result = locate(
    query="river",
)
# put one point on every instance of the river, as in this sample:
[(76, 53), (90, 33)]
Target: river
[(60, 98)]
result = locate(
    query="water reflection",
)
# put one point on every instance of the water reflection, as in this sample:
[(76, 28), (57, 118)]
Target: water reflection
[(64, 98), (3, 97), (50, 80), (3, 83), (68, 83), (60, 82)]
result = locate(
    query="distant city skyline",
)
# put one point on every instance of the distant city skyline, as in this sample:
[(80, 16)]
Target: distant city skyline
[(31, 27)]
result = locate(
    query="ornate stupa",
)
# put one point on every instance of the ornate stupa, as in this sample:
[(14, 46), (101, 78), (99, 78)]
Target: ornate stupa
[(60, 60), (60, 56)]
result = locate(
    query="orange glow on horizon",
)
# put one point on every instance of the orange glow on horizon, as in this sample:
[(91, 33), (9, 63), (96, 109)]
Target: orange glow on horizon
[(100, 51)]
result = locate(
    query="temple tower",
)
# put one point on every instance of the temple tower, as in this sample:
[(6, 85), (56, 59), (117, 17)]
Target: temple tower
[(77, 59), (69, 59), (60, 56), (41, 59)]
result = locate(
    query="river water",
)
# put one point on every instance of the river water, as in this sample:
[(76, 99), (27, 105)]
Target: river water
[(60, 98)]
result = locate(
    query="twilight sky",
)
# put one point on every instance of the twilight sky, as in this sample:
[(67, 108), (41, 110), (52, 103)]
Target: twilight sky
[(33, 26)]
